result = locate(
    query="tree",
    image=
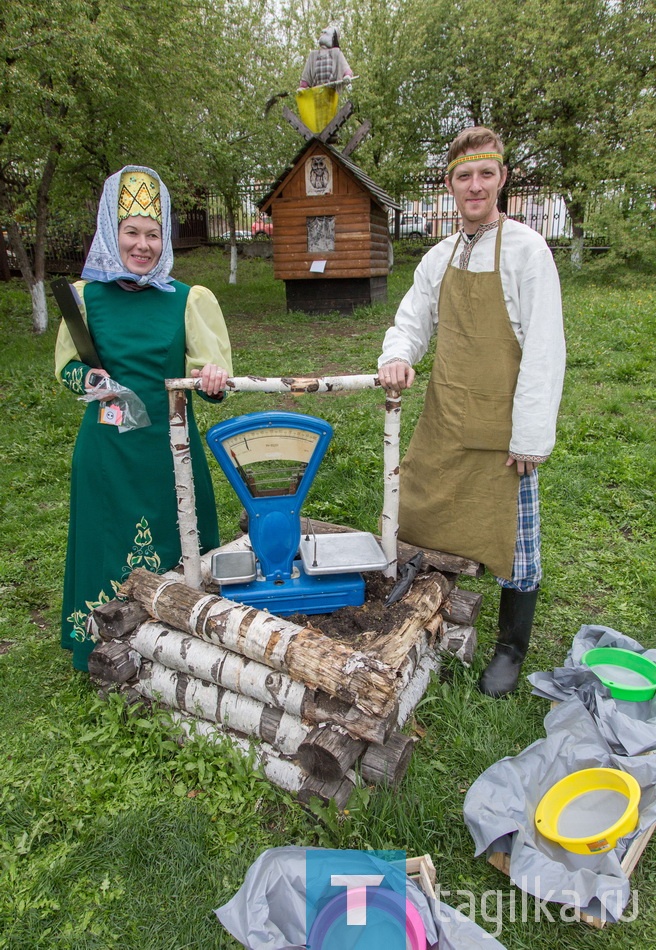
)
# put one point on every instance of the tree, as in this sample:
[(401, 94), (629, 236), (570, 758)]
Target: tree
[(560, 80), (115, 89)]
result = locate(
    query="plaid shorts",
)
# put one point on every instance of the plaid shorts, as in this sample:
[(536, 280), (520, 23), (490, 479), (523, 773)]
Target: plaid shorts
[(527, 566)]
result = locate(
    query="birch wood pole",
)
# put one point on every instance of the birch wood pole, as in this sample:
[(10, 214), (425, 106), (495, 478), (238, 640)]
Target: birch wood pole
[(184, 488), (391, 481), (290, 384), (328, 752), (414, 691), (115, 619), (306, 654), (387, 764)]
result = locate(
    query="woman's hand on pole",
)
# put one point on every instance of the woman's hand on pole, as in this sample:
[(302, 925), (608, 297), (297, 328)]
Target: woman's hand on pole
[(213, 378)]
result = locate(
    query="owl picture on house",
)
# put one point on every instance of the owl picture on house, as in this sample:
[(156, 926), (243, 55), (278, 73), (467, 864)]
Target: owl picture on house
[(319, 175)]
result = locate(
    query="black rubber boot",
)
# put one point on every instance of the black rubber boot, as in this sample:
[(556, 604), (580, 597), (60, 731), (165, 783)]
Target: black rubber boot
[(516, 611)]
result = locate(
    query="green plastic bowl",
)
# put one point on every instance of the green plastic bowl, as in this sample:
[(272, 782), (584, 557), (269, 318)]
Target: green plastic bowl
[(627, 675)]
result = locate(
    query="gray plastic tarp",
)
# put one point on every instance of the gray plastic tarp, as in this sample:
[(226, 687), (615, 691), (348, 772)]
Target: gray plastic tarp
[(500, 806), (629, 728), (268, 911)]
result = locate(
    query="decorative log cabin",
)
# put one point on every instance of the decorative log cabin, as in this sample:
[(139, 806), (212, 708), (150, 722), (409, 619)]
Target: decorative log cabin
[(331, 241)]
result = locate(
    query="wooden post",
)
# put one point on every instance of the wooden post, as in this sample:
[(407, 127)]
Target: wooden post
[(391, 463), (338, 791), (387, 764), (115, 619), (114, 662), (328, 752), (184, 487)]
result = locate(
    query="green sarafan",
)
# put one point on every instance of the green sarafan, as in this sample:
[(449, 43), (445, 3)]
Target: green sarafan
[(112, 835)]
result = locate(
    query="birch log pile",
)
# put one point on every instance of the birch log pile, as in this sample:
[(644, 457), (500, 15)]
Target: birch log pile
[(305, 653), (325, 713), (213, 664)]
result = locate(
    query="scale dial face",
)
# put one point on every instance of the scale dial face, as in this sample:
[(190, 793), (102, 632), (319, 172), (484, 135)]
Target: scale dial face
[(271, 460)]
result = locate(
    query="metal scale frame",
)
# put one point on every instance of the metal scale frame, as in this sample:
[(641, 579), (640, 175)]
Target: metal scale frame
[(270, 459)]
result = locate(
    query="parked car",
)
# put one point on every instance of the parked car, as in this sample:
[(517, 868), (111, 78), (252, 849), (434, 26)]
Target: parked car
[(239, 235), (262, 229), (414, 226)]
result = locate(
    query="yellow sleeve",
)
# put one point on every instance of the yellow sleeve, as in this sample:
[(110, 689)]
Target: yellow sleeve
[(206, 333), (65, 348)]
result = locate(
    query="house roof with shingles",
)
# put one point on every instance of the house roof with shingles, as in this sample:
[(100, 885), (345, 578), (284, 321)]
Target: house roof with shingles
[(375, 190)]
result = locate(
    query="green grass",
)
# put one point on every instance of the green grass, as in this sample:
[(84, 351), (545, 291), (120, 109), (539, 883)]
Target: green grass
[(111, 835)]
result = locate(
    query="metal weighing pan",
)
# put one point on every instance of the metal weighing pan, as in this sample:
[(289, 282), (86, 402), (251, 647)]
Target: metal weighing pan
[(234, 567), (341, 553)]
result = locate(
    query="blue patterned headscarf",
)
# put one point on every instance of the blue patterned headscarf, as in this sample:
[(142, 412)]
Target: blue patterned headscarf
[(104, 259)]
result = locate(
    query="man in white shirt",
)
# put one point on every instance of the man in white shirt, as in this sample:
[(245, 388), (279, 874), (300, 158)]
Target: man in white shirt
[(469, 482)]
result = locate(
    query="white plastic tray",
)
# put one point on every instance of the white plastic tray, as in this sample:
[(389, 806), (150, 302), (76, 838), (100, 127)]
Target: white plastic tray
[(337, 553)]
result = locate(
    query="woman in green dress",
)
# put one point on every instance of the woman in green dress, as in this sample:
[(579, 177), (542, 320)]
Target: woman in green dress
[(146, 327)]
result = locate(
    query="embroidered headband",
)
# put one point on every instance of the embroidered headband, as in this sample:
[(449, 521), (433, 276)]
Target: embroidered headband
[(139, 193), (497, 156)]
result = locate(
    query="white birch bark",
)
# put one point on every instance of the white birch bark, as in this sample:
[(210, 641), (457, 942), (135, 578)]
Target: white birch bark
[(210, 662), (184, 487), (39, 306), (391, 463), (414, 691), (281, 772), (218, 705), (232, 279), (305, 653), (284, 384)]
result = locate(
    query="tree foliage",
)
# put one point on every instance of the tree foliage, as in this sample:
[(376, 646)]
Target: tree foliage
[(89, 85)]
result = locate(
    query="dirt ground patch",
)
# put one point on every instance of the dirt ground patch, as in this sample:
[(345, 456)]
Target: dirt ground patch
[(358, 625)]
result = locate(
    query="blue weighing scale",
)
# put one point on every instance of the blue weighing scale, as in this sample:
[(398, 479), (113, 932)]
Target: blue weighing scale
[(270, 459)]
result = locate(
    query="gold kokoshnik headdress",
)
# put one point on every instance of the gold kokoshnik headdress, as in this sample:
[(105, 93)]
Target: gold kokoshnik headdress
[(139, 194)]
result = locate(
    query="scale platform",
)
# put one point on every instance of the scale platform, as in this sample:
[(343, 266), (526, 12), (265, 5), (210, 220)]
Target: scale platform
[(304, 593), (270, 459), (339, 552)]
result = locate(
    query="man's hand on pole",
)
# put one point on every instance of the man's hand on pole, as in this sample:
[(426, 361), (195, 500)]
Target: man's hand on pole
[(396, 375)]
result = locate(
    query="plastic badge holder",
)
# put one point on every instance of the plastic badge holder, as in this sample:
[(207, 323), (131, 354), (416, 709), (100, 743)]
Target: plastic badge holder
[(129, 411), (588, 811), (628, 675)]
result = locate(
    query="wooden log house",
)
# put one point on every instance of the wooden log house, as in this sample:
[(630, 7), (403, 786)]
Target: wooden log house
[(331, 241)]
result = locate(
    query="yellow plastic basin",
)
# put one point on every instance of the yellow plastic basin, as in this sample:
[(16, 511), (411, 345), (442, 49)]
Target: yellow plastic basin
[(588, 811), (317, 106)]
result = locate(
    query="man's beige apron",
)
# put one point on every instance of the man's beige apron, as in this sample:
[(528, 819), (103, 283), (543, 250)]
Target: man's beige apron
[(457, 494)]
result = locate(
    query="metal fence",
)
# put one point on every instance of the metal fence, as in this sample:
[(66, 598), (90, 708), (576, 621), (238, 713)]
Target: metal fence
[(431, 215), (427, 217)]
